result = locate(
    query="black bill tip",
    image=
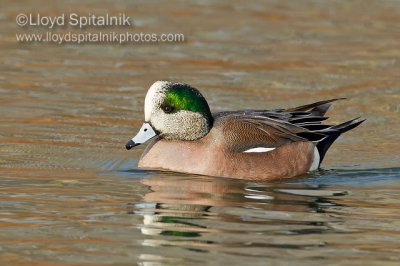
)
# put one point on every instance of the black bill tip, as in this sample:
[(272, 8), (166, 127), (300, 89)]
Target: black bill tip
[(131, 144)]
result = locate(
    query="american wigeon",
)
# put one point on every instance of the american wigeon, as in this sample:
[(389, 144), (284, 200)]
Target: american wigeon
[(248, 144)]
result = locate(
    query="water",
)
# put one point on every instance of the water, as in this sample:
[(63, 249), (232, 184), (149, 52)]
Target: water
[(72, 195)]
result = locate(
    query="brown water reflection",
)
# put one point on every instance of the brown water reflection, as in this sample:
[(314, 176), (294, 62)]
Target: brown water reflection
[(261, 220), (71, 195)]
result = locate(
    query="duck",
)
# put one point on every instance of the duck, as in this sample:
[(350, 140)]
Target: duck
[(184, 136)]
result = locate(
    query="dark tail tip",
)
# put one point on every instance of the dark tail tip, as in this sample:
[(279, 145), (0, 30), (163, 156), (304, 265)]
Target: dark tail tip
[(333, 133), (346, 126)]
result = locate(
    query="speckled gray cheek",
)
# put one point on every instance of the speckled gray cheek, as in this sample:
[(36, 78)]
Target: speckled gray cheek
[(157, 119), (182, 125)]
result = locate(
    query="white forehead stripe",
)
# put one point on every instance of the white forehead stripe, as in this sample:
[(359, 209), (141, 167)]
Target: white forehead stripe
[(148, 101), (260, 149)]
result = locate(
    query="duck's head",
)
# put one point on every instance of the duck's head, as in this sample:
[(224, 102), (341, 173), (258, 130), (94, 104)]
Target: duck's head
[(173, 111)]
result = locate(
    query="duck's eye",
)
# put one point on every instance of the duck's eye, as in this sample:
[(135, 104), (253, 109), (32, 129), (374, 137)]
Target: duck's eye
[(168, 109)]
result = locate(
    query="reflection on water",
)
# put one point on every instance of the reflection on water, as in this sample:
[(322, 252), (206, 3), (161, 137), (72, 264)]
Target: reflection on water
[(119, 216), (70, 194), (260, 220)]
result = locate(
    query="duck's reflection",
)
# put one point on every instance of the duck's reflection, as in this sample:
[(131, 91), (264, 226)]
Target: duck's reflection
[(174, 220), (175, 204), (200, 214), (188, 206)]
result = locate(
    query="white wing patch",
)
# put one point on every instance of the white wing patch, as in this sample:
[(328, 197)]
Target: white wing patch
[(260, 149)]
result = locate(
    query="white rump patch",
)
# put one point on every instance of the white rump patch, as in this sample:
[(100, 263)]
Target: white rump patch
[(316, 160), (260, 149)]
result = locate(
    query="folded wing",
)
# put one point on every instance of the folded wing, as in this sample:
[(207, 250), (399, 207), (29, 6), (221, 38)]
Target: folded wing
[(250, 129)]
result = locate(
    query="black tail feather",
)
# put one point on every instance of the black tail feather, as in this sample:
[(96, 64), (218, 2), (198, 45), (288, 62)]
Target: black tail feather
[(317, 108), (333, 133), (346, 126)]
